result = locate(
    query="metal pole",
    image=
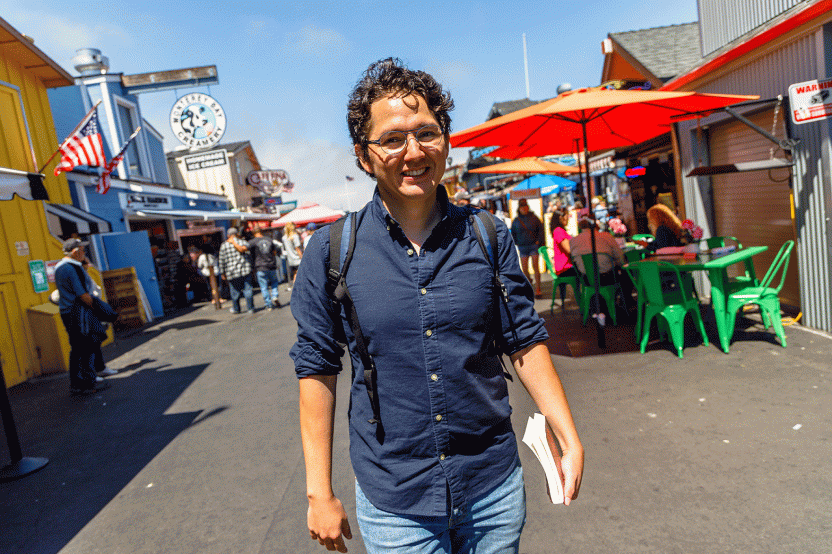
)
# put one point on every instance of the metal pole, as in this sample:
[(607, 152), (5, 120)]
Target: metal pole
[(19, 466), (596, 303), (526, 65)]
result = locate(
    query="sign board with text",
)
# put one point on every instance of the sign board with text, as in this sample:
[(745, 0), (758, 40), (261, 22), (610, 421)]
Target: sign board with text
[(39, 278), (203, 161), (142, 201), (810, 100)]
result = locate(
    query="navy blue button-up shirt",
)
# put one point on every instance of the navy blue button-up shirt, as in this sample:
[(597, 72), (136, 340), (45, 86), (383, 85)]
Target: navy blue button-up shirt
[(428, 321)]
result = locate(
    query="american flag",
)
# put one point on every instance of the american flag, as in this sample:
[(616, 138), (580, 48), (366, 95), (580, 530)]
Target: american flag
[(84, 147), (104, 180)]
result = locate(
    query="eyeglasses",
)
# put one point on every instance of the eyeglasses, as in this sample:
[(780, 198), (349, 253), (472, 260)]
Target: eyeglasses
[(394, 142)]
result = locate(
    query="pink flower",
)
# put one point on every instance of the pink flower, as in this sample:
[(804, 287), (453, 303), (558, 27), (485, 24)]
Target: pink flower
[(692, 230), (617, 227), (696, 232)]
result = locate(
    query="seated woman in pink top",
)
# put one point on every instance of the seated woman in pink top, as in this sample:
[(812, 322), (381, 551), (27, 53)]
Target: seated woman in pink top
[(563, 265)]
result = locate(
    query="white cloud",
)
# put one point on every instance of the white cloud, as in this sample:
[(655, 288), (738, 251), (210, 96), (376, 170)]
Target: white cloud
[(59, 36), (318, 169), (315, 41), (258, 28), (454, 74)]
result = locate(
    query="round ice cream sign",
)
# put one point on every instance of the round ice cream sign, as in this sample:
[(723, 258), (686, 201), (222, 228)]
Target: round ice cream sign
[(197, 120)]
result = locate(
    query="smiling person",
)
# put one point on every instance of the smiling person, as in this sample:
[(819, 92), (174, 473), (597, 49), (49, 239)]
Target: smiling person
[(432, 447)]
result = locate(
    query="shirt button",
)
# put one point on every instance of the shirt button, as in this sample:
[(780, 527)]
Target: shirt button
[(424, 291), (410, 251), (442, 457), (438, 417), (388, 227), (429, 332), (434, 377)]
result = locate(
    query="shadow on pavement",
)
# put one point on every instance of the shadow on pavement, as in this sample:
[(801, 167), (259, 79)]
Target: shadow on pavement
[(96, 445), (569, 337)]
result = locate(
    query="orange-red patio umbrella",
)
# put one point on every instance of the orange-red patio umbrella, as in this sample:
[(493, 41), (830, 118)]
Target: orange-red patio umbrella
[(527, 165), (593, 119), (612, 118)]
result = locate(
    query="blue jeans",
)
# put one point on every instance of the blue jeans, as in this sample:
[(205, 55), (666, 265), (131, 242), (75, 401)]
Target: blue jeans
[(241, 284), (267, 279), (491, 524)]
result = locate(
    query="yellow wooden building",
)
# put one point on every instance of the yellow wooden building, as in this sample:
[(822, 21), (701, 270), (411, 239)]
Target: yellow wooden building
[(32, 340)]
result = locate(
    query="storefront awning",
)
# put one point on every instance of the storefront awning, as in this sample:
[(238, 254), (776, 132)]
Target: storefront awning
[(85, 222), (201, 214), (26, 185)]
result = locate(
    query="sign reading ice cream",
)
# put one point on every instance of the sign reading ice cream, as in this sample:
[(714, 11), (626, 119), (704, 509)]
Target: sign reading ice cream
[(197, 120)]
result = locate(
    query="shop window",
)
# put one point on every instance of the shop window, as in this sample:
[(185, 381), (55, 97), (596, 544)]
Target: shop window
[(128, 122)]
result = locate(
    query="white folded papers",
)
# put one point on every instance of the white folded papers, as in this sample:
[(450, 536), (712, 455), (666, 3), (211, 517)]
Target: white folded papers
[(536, 439)]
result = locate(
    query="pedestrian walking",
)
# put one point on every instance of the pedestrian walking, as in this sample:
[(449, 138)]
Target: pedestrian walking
[(293, 251), (310, 230), (432, 446), (209, 266), (527, 231), (235, 268), (264, 259), (75, 306)]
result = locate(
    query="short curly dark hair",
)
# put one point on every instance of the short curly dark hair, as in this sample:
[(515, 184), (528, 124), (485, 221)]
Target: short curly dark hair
[(390, 76)]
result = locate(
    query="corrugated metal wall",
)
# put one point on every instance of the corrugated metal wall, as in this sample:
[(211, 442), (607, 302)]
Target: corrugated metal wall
[(754, 206), (770, 75), (721, 21)]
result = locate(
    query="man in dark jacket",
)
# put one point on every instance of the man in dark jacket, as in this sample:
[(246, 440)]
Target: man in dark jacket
[(71, 280), (264, 258)]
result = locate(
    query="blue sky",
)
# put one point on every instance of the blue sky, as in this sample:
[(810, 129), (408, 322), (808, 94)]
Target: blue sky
[(286, 68)]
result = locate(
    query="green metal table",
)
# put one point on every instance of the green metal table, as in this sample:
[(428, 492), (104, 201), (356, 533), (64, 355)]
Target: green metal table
[(716, 266)]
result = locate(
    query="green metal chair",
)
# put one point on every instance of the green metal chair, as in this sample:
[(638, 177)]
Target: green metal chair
[(763, 295), (644, 236), (632, 272), (635, 255), (669, 307), (560, 281), (607, 292)]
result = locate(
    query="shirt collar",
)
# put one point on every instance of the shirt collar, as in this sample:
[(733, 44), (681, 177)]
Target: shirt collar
[(73, 261), (449, 212)]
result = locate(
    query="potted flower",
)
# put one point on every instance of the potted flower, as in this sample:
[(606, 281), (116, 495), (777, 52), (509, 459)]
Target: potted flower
[(691, 231), (618, 229), (691, 235)]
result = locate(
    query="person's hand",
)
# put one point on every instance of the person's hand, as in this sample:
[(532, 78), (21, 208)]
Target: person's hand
[(643, 243), (572, 465), (328, 524)]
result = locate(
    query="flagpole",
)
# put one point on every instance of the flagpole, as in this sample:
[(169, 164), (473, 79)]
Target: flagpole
[(103, 180), (75, 130)]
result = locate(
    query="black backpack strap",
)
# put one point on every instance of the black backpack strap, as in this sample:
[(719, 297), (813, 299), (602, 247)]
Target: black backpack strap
[(341, 247), (482, 222)]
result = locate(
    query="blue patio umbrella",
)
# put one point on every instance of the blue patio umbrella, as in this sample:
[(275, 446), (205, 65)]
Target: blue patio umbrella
[(548, 184)]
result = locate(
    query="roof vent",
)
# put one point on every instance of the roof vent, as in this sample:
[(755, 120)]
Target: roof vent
[(89, 61), (565, 87)]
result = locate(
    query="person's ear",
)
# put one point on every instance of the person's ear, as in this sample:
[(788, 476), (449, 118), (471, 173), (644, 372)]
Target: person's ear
[(360, 153)]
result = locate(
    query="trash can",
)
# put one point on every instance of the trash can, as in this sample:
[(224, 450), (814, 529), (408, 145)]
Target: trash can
[(51, 340)]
